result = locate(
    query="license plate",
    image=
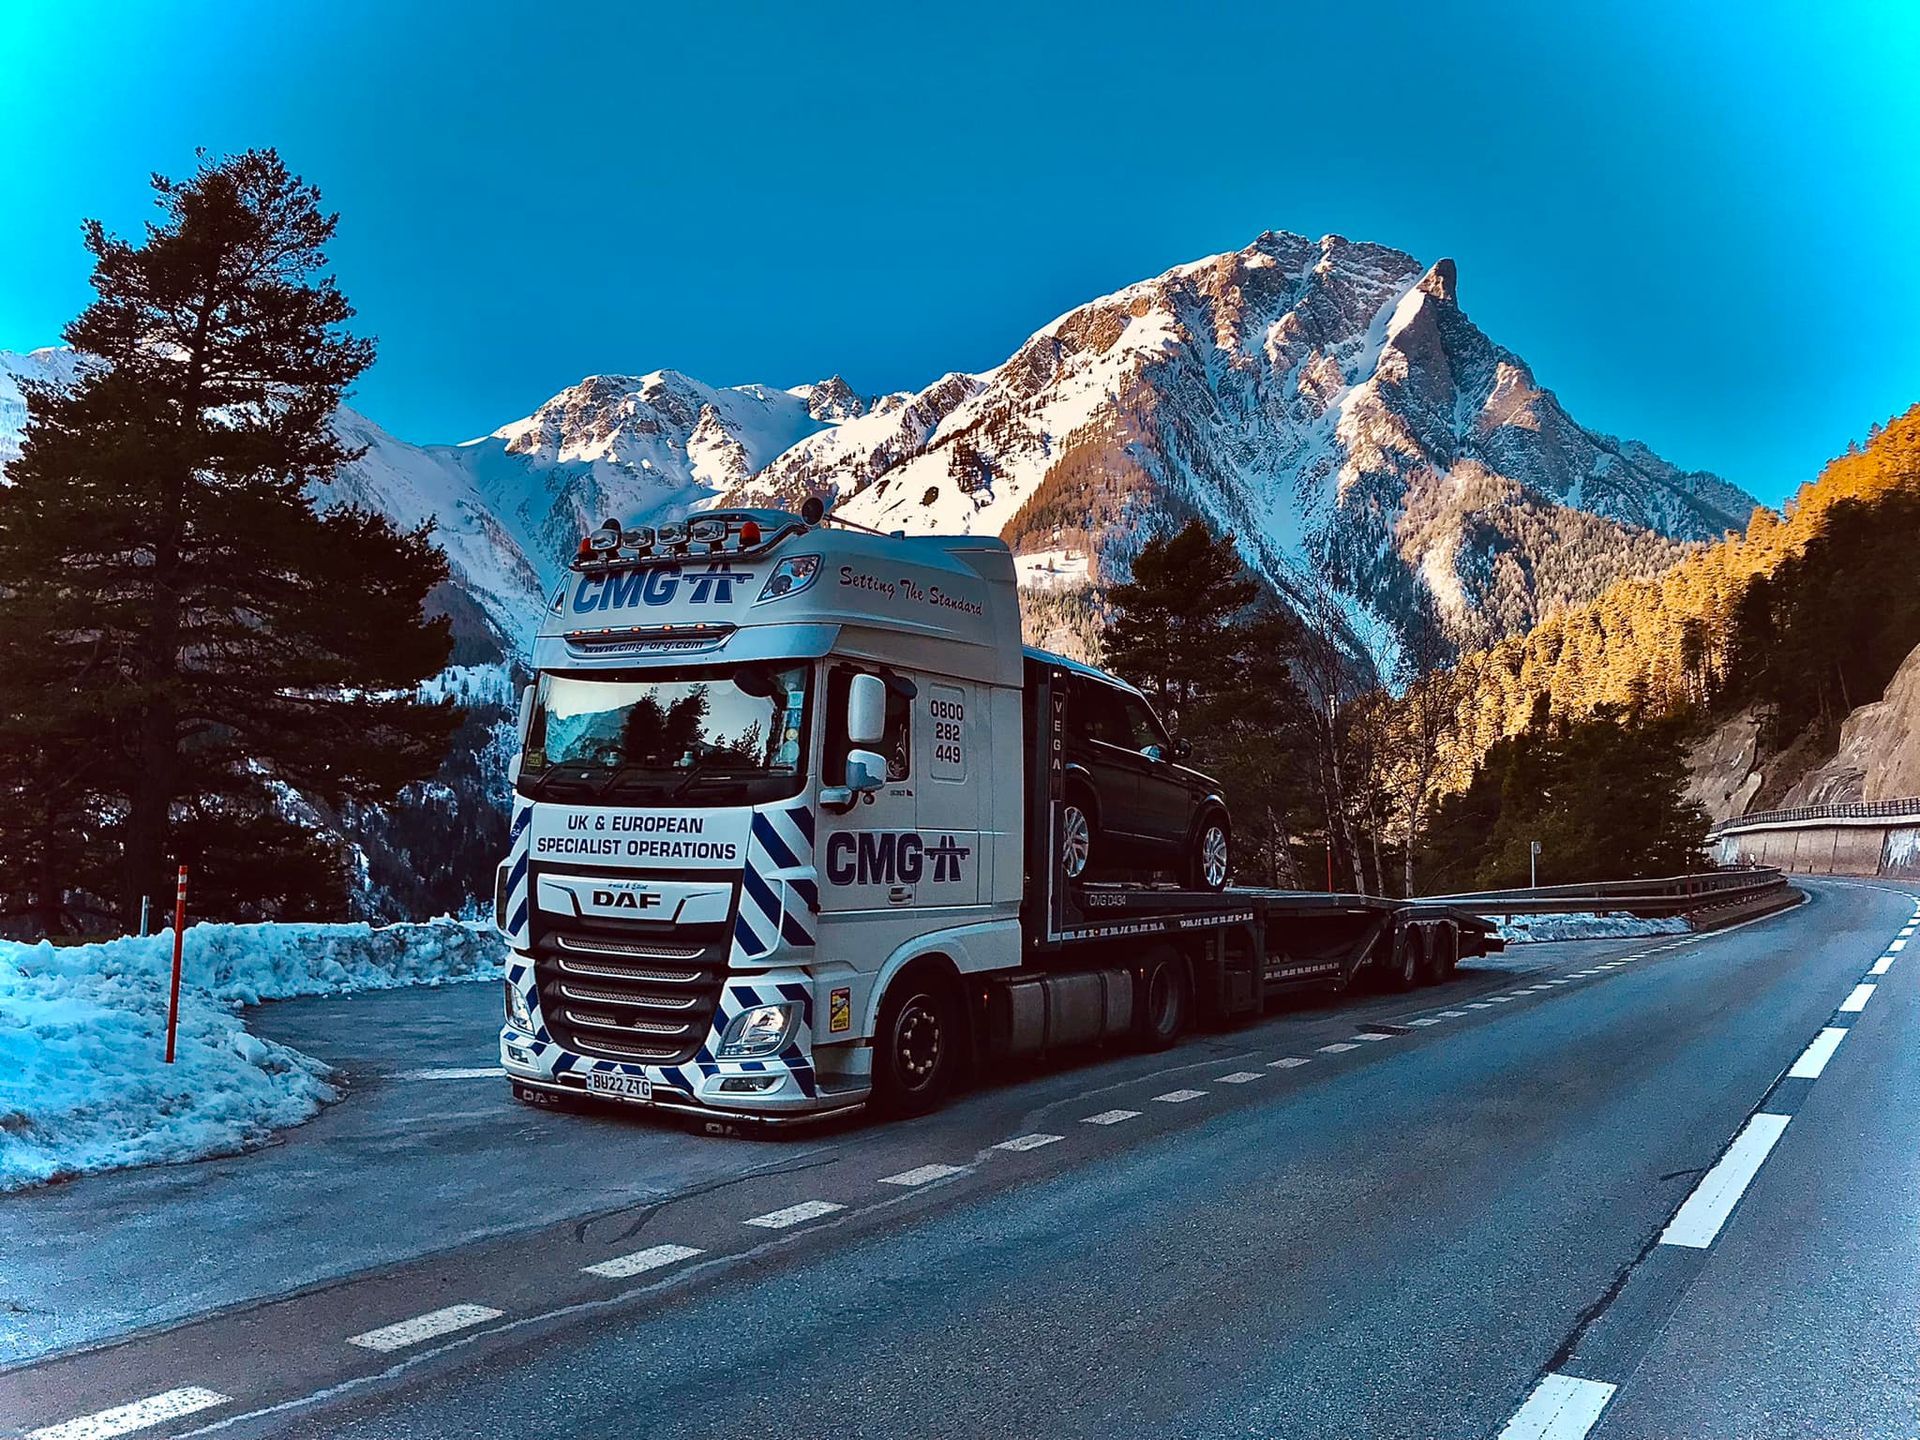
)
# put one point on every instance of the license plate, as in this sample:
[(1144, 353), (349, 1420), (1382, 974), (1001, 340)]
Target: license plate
[(626, 1087)]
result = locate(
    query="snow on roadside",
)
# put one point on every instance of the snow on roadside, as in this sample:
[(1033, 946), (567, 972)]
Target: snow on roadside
[(1587, 925), (83, 1082)]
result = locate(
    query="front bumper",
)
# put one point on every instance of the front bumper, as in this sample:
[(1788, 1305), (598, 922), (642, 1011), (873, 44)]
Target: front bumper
[(784, 1085)]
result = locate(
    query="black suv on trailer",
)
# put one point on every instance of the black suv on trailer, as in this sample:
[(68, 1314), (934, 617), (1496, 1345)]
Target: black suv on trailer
[(1128, 805)]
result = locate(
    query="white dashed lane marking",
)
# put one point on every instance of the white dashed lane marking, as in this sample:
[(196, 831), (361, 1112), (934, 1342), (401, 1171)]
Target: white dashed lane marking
[(1480, 1005), (1288, 1062), (1720, 1189), (1814, 1058), (1425, 1020), (1239, 1077), (1857, 1001), (1453, 1014), (1111, 1117), (1339, 1047), (795, 1214), (1882, 965), (640, 1261), (1372, 1035), (1180, 1097), (1896, 947), (1561, 1407), (140, 1415), (429, 1326), (1026, 1142), (922, 1175)]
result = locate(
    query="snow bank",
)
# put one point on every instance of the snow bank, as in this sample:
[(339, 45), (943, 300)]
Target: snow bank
[(83, 1083), (1587, 925)]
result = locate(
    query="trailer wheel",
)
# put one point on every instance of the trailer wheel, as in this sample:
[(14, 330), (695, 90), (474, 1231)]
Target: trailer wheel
[(1449, 948), (917, 1045), (1433, 954), (1407, 959), (1163, 1000)]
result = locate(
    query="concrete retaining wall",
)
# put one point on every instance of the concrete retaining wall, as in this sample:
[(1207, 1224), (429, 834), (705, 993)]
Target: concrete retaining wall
[(1828, 847)]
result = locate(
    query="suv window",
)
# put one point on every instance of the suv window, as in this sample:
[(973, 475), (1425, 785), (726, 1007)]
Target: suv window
[(1141, 724), (1113, 717)]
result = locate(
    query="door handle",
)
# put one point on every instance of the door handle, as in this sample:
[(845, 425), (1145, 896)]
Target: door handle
[(900, 895)]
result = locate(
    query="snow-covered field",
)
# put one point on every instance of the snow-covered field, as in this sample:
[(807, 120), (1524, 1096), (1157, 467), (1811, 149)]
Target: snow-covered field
[(1615, 925), (83, 1081)]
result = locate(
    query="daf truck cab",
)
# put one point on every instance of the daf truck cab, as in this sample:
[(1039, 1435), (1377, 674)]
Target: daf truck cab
[(768, 806)]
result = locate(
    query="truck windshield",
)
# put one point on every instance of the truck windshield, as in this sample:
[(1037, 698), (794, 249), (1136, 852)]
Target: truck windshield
[(708, 736)]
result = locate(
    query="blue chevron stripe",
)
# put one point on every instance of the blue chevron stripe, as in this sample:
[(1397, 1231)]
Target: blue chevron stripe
[(808, 892), (802, 817), (777, 850), (743, 937), (794, 931), (762, 894)]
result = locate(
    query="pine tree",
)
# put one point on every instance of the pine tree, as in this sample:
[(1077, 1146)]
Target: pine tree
[(222, 651)]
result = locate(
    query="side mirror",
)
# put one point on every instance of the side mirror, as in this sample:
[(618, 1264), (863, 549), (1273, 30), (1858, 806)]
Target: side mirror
[(865, 771), (867, 711)]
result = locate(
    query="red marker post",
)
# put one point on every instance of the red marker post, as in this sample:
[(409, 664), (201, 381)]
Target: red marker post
[(179, 936)]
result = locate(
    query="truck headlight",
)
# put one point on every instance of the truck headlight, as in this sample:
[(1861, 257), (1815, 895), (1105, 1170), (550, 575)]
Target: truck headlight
[(518, 1015), (756, 1032)]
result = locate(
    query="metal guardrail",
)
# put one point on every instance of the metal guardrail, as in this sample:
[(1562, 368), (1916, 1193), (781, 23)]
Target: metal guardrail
[(1908, 809), (1668, 895)]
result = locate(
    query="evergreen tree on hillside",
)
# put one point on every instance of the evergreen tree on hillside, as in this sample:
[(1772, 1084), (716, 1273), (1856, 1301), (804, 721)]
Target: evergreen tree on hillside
[(1173, 632), (219, 651)]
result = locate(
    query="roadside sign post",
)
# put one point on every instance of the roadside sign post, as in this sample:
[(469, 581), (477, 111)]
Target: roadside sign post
[(179, 935), (1533, 865), (146, 910)]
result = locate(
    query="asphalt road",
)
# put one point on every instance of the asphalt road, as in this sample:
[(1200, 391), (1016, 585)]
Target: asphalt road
[(1431, 1215)]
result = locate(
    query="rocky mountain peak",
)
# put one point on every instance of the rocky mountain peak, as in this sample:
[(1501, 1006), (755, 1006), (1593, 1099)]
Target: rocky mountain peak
[(1441, 281)]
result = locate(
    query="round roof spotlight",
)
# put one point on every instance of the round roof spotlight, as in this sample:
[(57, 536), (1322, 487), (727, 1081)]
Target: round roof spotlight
[(813, 509)]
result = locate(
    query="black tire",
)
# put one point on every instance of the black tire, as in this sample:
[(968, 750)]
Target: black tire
[(917, 1045), (1448, 946), (1163, 1000), (1079, 835), (1405, 962), (1433, 959), (1206, 869)]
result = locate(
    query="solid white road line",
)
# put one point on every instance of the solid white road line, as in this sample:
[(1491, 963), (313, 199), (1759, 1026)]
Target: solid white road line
[(1857, 1001), (1288, 1062), (1814, 1058), (124, 1419), (1027, 1142), (1111, 1117), (485, 1072), (1720, 1189), (795, 1214), (1180, 1097), (1239, 1077), (640, 1261), (1561, 1407), (1339, 1047), (1882, 965), (429, 1326), (922, 1175)]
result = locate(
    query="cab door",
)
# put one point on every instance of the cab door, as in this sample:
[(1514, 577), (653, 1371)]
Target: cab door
[(864, 865)]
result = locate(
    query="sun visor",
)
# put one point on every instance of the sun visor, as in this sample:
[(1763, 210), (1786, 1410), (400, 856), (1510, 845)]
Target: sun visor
[(623, 648)]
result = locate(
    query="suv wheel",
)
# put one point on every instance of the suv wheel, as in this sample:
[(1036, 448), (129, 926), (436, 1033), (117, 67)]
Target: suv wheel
[(1211, 861), (1076, 837)]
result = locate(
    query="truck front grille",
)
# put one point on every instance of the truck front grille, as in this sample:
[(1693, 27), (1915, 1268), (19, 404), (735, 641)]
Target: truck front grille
[(625, 996)]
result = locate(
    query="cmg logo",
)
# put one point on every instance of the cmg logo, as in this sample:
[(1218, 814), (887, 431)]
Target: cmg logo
[(659, 585), (892, 857)]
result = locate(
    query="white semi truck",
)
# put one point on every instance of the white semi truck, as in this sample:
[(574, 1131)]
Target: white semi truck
[(796, 828)]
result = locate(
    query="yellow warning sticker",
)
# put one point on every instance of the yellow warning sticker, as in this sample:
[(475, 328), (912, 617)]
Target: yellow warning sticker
[(840, 1011)]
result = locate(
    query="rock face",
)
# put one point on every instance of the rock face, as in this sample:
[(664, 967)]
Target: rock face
[(1723, 767), (1879, 753)]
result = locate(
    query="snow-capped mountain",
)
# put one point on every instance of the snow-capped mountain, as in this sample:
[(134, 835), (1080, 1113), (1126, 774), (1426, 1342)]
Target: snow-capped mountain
[(50, 364), (1321, 398)]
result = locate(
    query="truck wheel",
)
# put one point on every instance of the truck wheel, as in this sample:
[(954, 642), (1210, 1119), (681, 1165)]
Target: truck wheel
[(1433, 954), (1407, 960), (1449, 952), (1163, 1001), (1209, 864), (916, 1047), (1076, 837)]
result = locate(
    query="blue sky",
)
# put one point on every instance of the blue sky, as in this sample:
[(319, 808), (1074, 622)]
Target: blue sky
[(1698, 223)]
